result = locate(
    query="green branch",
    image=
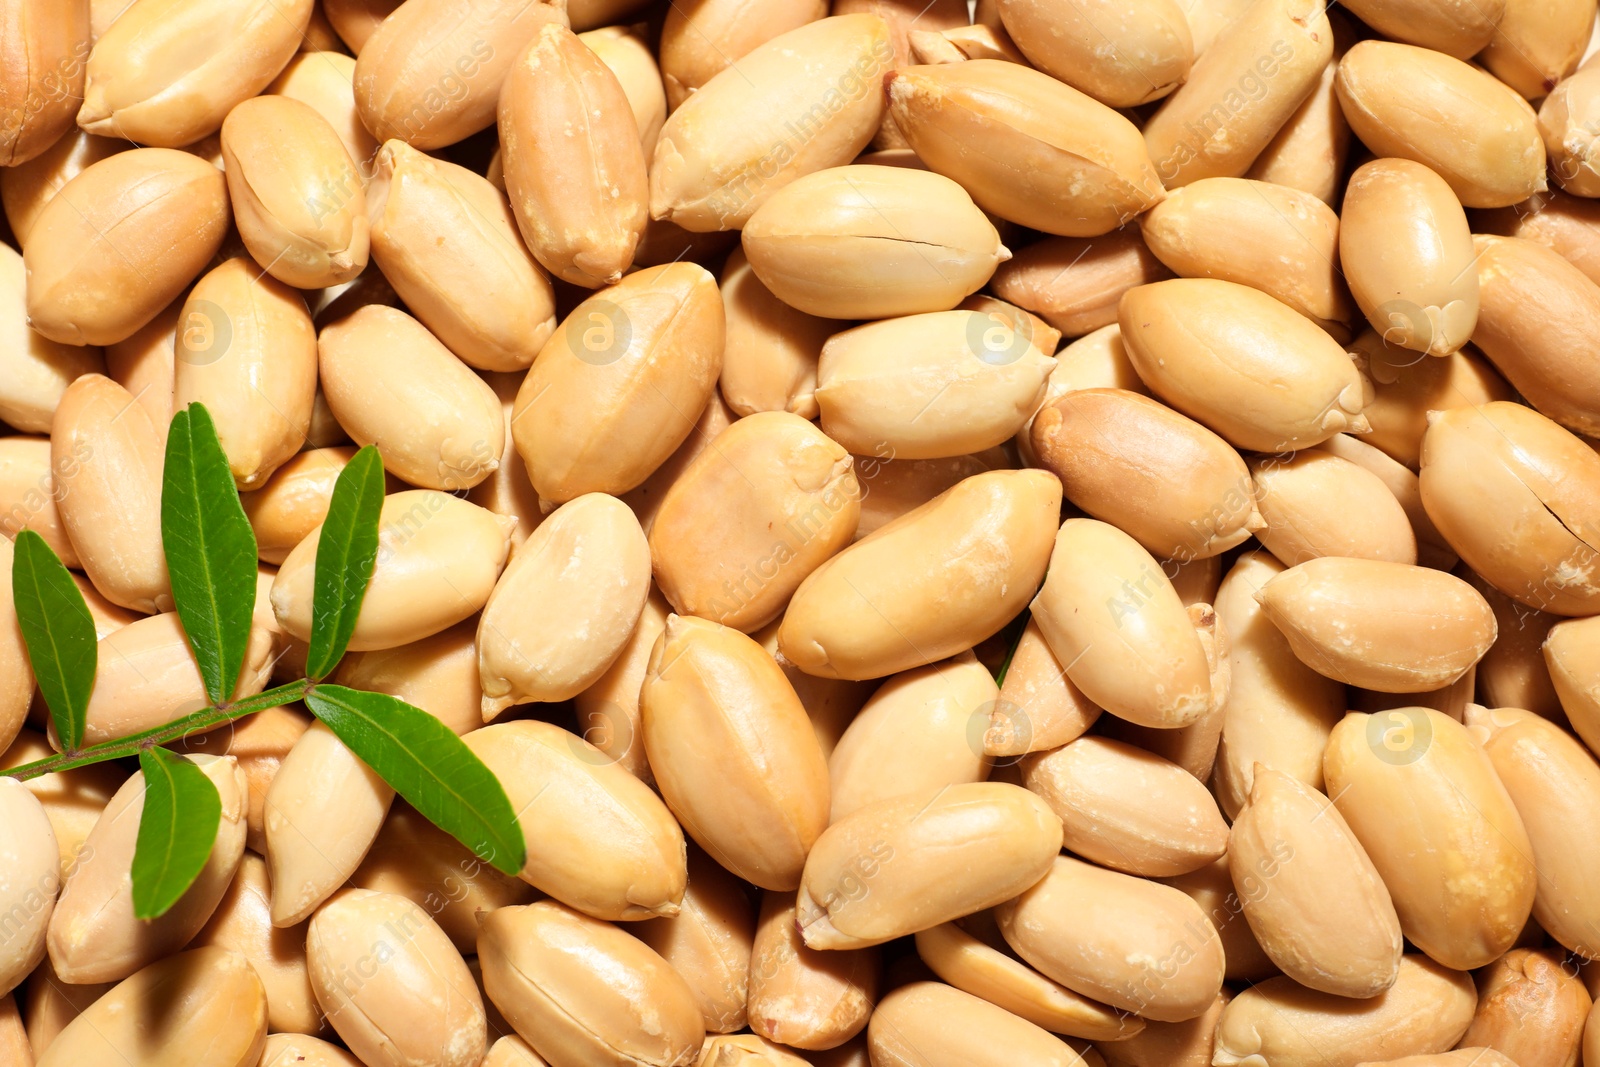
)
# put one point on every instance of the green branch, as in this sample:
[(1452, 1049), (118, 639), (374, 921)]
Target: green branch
[(198, 722)]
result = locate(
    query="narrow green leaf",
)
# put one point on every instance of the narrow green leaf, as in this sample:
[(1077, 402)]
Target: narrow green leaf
[(428, 765), (59, 633), (210, 549), (346, 552), (176, 830)]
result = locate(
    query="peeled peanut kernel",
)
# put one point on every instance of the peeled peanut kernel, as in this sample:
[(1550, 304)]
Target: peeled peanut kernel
[(575, 170), (1474, 131), (929, 1024), (120, 241), (1327, 918), (1413, 775), (1114, 621), (892, 868), (618, 386), (432, 75), (212, 1000), (1026, 147), (565, 605), (733, 752), (1215, 350), (920, 730), (167, 73), (1136, 945), (764, 505), (931, 584), (599, 840), (93, 935), (1195, 501), (297, 197), (865, 242), (1407, 254), (1278, 1022), (438, 559), (714, 163), (584, 992), (1173, 828), (1386, 626), (421, 1005), (447, 241), (804, 997)]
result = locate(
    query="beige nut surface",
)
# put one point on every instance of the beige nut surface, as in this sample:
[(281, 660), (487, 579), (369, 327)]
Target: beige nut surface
[(1248, 366), (928, 585), (581, 991), (733, 752), (901, 865), (565, 791), (1424, 801), (419, 1006)]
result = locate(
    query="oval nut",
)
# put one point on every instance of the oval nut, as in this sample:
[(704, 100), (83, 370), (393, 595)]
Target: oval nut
[(582, 992), (438, 559), (447, 241), (1316, 503), (709, 942), (394, 988), (751, 129), (1210, 348), (700, 40), (167, 73), (32, 880), (805, 997), (1531, 1006), (168, 210), (293, 500), (298, 199), (1424, 801), (769, 362), (36, 370), (242, 923), (1326, 918), (1287, 1025), (211, 1004), (1469, 128), (598, 839), (733, 752), (565, 606), (1025, 146), (929, 1024), (1121, 56), (1074, 283), (866, 242), (1406, 388), (1112, 617), (1407, 254), (1133, 944), (928, 585), (907, 864), (931, 386)]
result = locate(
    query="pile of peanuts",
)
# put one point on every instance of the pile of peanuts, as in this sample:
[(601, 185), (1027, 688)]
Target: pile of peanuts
[(1020, 534)]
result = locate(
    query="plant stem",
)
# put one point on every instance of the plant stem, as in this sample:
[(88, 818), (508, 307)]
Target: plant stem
[(199, 722)]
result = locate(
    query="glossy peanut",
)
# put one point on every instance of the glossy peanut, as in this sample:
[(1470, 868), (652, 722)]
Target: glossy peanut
[(1414, 775), (1207, 347), (619, 384), (581, 991), (168, 73), (767, 503), (1418, 104), (1052, 158), (896, 867), (1133, 944), (438, 559), (1315, 504), (733, 752), (804, 997), (929, 1024), (448, 242), (420, 1004), (1074, 283), (928, 585), (599, 840), (120, 241)]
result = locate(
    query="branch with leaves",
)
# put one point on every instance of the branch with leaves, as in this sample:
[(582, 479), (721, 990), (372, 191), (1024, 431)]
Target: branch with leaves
[(211, 557)]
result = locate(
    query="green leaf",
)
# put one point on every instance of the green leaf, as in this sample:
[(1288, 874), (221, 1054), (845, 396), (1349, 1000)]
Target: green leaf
[(346, 552), (176, 830), (428, 765), (59, 633), (210, 549)]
